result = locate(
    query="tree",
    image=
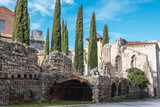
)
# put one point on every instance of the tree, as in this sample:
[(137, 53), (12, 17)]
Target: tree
[(56, 30), (92, 51), (64, 38), (105, 35), (137, 77), (21, 27), (78, 58), (47, 45)]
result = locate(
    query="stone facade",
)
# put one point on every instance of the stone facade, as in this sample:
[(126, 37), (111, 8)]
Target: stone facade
[(120, 56)]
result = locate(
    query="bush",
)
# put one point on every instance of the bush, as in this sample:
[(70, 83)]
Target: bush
[(137, 77)]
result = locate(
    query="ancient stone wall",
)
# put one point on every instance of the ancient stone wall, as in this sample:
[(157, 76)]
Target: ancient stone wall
[(19, 74), (18, 58), (59, 64)]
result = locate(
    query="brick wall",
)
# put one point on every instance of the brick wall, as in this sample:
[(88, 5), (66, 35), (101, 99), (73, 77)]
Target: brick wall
[(8, 18)]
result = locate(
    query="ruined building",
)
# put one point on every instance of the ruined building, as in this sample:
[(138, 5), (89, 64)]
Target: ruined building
[(22, 80), (115, 58)]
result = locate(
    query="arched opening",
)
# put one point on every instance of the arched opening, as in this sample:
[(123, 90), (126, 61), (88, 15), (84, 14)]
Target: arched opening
[(120, 89), (30, 76), (72, 90), (133, 61), (25, 76), (113, 93), (118, 63), (127, 89), (19, 75)]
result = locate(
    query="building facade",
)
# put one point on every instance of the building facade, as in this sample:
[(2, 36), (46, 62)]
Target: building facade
[(115, 58), (6, 20)]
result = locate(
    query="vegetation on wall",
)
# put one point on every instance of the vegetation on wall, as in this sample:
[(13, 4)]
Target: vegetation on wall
[(92, 52), (78, 58), (21, 26), (137, 77), (56, 30)]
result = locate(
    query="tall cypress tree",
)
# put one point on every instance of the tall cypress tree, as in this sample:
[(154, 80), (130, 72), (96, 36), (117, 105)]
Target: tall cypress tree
[(63, 37), (47, 45), (105, 35), (66, 40), (56, 30), (21, 30), (78, 58), (92, 52)]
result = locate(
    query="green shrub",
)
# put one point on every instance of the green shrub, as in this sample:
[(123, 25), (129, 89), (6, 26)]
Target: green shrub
[(137, 77)]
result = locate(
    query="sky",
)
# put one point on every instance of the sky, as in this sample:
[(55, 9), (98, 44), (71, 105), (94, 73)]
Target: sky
[(133, 20)]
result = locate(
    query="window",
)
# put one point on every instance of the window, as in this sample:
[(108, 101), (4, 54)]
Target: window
[(2, 26), (133, 61), (118, 63)]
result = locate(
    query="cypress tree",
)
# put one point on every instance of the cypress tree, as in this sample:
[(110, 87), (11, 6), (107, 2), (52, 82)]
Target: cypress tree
[(21, 26), (47, 45), (92, 52), (105, 35), (66, 40), (78, 59), (63, 37), (56, 30)]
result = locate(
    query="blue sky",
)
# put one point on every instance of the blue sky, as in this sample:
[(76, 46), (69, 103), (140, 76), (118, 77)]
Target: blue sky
[(134, 20)]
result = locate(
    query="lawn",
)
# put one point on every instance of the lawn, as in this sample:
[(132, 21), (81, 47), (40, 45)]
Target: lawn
[(51, 104)]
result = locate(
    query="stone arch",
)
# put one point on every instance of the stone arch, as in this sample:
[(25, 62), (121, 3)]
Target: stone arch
[(71, 90), (120, 89), (113, 90), (118, 63), (133, 61)]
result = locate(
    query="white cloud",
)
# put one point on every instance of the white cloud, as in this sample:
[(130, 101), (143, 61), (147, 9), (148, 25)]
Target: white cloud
[(117, 35), (35, 26), (110, 9), (45, 7), (68, 1)]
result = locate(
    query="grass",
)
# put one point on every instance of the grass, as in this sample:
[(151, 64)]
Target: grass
[(51, 104), (128, 100)]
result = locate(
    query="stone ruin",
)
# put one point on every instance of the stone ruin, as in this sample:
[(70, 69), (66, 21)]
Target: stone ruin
[(22, 80)]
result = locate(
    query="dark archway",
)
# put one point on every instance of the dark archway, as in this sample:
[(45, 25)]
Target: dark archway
[(120, 89), (72, 90), (113, 93), (118, 63)]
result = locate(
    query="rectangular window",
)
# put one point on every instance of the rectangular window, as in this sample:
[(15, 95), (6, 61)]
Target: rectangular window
[(2, 26)]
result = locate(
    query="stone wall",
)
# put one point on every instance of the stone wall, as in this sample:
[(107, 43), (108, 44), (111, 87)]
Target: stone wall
[(19, 74), (59, 64)]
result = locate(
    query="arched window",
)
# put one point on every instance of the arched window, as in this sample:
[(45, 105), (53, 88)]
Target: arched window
[(118, 63), (120, 89), (133, 61), (113, 93)]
